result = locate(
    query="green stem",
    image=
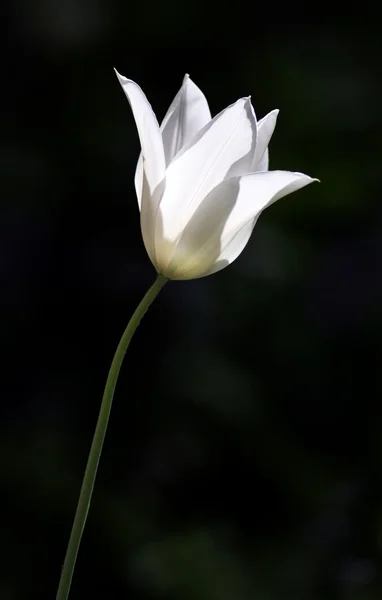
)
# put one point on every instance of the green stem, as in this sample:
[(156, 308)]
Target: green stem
[(98, 439)]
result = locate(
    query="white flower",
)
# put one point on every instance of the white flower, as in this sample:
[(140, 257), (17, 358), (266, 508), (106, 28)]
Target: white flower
[(202, 183)]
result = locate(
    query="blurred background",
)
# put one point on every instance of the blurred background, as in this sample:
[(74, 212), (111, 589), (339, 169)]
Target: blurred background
[(243, 458)]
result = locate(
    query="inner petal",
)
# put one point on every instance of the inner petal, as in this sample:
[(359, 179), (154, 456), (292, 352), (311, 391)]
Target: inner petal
[(224, 142)]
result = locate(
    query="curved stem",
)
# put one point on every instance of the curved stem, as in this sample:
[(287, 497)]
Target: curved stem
[(98, 439)]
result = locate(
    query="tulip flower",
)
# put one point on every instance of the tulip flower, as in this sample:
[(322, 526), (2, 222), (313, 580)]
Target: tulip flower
[(202, 183)]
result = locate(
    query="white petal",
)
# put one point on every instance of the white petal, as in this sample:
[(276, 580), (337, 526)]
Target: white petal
[(149, 136), (265, 129), (222, 225), (188, 113), (263, 164), (206, 161), (266, 187), (138, 179), (150, 214)]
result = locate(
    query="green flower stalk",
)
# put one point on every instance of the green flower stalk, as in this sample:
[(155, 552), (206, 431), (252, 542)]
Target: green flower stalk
[(98, 439)]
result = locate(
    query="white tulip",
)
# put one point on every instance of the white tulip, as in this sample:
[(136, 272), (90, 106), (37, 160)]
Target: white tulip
[(202, 183)]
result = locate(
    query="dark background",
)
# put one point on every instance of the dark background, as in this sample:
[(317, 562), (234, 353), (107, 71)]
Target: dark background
[(243, 457)]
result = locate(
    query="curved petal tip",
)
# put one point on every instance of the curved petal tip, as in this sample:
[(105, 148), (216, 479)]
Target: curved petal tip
[(121, 78)]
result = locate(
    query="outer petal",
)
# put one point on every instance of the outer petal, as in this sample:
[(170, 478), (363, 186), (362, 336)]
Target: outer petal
[(265, 129), (138, 179), (188, 113), (149, 136), (150, 214), (210, 158), (222, 225)]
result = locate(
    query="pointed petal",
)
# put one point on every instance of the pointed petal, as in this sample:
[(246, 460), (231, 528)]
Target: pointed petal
[(243, 165), (272, 185), (265, 129), (188, 113), (149, 136), (206, 161), (221, 227)]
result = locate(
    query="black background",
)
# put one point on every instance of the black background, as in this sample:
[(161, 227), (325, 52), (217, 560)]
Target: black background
[(243, 456)]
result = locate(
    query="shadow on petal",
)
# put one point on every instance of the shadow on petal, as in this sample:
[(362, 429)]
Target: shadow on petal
[(243, 164), (149, 214), (198, 248)]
